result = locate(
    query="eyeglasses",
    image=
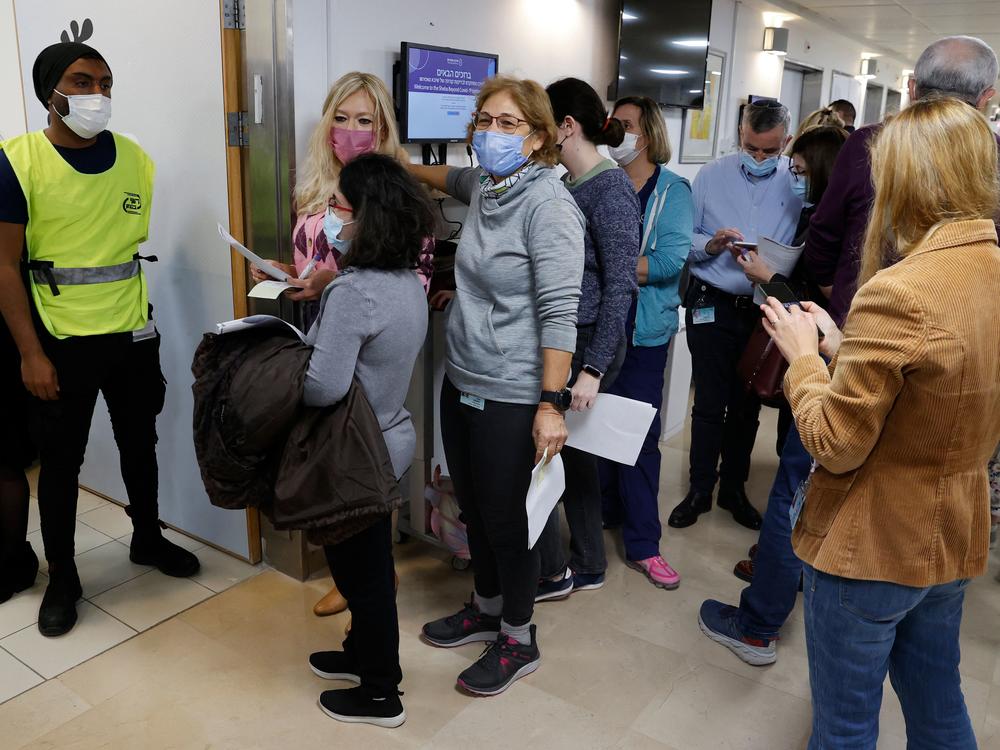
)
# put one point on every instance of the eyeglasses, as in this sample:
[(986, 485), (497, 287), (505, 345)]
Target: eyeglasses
[(507, 123), (798, 174), (765, 152), (337, 207)]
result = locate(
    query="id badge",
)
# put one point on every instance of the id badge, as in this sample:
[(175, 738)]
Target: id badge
[(703, 315), (476, 402), (800, 497)]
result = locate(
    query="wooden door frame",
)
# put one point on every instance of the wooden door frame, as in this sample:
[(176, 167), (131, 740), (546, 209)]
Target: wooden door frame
[(233, 100)]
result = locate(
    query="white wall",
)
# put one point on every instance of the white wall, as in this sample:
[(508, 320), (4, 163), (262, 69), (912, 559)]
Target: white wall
[(549, 39), (539, 39), (12, 113), (180, 124)]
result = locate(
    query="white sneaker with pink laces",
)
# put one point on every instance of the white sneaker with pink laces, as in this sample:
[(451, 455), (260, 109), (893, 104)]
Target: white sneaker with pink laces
[(657, 571)]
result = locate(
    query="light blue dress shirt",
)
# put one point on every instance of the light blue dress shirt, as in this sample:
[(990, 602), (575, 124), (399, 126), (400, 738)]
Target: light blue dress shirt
[(726, 196)]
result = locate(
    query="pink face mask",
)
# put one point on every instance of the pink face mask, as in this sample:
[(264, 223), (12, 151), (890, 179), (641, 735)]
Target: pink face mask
[(348, 144)]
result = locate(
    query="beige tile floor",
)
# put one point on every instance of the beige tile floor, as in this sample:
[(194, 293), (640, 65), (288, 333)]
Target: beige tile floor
[(121, 599), (623, 667)]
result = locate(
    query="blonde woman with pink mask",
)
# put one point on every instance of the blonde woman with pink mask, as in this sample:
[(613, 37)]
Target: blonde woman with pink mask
[(357, 119)]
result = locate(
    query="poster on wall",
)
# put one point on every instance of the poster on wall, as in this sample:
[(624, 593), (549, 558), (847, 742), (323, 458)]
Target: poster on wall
[(191, 284), (700, 127)]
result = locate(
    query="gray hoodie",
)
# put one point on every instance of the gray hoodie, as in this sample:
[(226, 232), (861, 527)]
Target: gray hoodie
[(518, 271)]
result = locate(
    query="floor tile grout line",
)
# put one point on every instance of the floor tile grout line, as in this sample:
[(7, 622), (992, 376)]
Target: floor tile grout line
[(19, 660)]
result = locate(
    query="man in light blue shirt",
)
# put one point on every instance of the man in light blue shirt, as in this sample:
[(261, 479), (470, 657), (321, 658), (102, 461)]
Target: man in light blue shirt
[(738, 197)]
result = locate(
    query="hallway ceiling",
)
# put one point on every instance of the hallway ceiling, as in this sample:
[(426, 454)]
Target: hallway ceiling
[(904, 27)]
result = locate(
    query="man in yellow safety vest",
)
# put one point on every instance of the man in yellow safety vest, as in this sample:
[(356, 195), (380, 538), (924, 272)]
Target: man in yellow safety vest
[(74, 207)]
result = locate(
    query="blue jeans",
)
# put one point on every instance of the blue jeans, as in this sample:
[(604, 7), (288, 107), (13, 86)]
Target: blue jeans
[(766, 603), (858, 630)]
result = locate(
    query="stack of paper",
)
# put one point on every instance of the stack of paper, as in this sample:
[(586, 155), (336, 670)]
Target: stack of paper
[(779, 258)]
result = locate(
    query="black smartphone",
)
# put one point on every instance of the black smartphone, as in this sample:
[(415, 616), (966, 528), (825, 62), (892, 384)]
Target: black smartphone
[(745, 247), (783, 293)]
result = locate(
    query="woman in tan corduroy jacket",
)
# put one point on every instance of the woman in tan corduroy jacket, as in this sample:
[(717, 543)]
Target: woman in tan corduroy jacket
[(902, 424)]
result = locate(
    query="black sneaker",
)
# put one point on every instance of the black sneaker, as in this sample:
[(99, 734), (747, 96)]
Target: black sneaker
[(334, 665), (465, 626), (57, 615), (355, 707), (503, 661), (160, 553)]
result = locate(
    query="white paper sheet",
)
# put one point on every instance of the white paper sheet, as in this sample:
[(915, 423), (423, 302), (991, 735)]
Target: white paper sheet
[(268, 289), (251, 256), (548, 482), (615, 428), (255, 321), (779, 258)]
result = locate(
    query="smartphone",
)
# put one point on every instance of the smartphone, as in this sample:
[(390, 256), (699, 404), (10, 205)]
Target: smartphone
[(745, 247), (783, 293)]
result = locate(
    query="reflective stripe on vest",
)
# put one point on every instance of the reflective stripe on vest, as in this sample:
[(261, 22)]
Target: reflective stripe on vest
[(73, 276), (83, 236)]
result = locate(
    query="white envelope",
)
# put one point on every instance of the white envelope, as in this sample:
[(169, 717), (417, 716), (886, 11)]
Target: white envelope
[(548, 482), (268, 289), (615, 428)]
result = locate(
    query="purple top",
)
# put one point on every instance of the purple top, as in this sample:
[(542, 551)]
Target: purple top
[(837, 229)]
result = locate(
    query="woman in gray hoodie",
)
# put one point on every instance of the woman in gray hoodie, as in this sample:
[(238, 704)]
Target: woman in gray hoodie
[(511, 335)]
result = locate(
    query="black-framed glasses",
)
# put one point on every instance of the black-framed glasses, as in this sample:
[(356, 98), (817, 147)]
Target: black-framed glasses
[(798, 174), (507, 123)]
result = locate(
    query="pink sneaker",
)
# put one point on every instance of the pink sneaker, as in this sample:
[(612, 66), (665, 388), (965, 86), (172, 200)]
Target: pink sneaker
[(657, 571)]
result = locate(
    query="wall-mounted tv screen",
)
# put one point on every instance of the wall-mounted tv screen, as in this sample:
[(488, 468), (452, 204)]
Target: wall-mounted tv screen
[(662, 50), (438, 90)]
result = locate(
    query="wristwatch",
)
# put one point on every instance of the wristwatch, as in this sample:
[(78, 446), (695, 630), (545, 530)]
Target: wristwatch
[(560, 399), (592, 371)]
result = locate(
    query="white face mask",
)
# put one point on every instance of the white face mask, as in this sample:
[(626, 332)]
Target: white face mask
[(626, 152), (89, 114)]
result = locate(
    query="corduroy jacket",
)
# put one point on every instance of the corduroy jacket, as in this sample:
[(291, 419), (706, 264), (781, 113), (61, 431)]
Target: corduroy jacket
[(904, 420)]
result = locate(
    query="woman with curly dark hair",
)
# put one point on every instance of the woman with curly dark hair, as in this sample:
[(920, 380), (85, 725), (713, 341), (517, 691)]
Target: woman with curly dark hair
[(371, 325)]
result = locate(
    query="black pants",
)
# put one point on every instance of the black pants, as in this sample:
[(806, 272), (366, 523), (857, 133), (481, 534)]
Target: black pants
[(724, 419), (128, 375), (582, 501), (490, 455), (362, 568)]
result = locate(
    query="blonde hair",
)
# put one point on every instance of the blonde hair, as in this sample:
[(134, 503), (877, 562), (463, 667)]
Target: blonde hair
[(934, 163), (534, 103), (827, 116), (318, 179), (652, 126)]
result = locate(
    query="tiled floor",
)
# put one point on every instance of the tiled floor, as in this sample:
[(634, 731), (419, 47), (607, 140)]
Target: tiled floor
[(623, 667), (121, 599)]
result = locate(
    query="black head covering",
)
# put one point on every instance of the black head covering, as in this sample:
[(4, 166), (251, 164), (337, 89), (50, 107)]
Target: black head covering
[(52, 62)]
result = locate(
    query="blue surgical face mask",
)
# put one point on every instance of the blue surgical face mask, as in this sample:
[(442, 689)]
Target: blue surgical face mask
[(801, 189), (332, 226), (499, 153), (759, 169)]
